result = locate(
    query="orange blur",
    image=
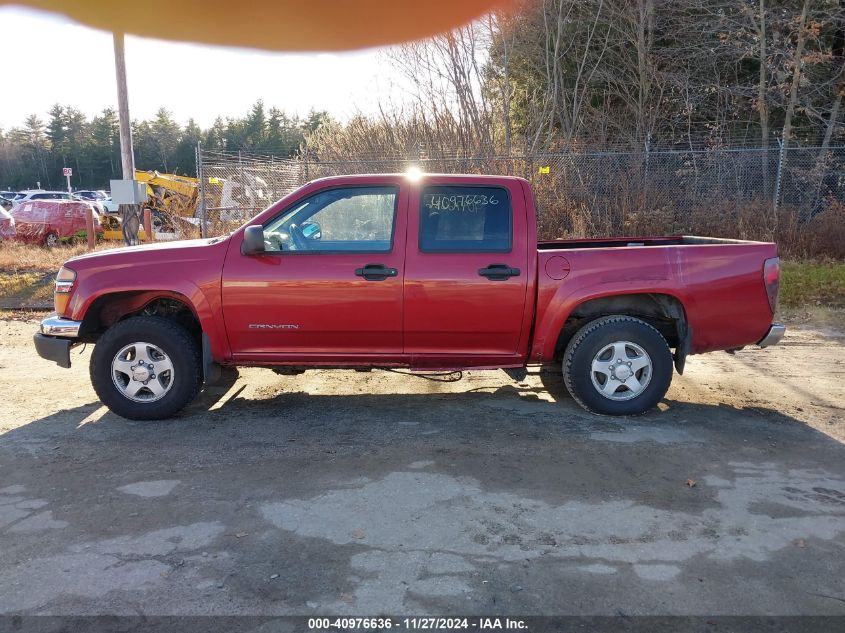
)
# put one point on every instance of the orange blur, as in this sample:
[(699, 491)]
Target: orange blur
[(278, 25)]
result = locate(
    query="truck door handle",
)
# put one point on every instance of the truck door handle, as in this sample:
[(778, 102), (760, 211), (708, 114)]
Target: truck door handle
[(376, 272), (498, 272)]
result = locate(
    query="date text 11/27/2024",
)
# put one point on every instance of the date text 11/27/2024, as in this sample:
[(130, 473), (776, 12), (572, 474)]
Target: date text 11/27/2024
[(417, 623)]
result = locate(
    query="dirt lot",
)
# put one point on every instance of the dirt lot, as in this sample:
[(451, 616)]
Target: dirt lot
[(365, 493)]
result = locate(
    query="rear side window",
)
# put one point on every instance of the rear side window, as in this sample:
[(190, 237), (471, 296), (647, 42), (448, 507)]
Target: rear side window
[(465, 219)]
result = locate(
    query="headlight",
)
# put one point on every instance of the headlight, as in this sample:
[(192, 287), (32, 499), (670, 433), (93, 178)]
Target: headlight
[(65, 279), (64, 286)]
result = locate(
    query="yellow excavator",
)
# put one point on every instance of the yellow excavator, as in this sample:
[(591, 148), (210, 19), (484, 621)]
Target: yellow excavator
[(170, 194), (170, 198)]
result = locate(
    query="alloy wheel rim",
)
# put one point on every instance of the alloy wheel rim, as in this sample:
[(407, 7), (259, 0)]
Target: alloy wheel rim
[(142, 372), (621, 371)]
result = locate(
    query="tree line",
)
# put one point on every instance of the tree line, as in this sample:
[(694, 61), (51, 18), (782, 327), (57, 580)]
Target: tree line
[(674, 71), (576, 74), (601, 83), (37, 151), (555, 75)]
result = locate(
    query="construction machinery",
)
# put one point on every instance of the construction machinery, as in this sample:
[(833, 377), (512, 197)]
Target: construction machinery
[(169, 194), (172, 200)]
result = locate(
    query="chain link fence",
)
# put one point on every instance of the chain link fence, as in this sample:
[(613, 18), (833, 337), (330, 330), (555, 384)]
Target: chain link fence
[(234, 186), (731, 192)]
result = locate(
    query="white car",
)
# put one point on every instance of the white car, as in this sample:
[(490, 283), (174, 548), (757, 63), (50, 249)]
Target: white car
[(40, 194), (110, 205), (97, 204)]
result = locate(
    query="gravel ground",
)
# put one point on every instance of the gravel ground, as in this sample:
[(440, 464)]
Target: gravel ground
[(363, 493)]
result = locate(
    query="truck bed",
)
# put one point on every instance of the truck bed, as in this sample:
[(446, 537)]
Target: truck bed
[(719, 283)]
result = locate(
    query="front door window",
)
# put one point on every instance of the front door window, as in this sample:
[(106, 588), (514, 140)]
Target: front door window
[(349, 220)]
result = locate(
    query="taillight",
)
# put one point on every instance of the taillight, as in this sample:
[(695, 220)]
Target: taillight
[(771, 277), (64, 286)]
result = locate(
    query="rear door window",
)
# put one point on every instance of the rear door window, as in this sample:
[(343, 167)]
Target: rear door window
[(465, 219)]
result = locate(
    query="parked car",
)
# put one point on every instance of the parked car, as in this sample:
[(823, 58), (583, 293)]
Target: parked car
[(6, 198), (20, 195), (40, 194), (89, 194), (50, 222), (97, 204), (7, 225), (99, 198), (111, 207), (443, 271)]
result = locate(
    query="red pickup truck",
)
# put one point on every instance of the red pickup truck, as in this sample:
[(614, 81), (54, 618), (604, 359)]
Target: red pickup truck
[(427, 272)]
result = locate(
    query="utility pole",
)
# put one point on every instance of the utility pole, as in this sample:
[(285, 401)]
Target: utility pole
[(130, 214), (127, 157)]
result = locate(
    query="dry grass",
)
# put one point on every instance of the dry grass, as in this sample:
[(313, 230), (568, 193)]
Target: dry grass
[(27, 271), (12, 284), (814, 316), (26, 289), (16, 257), (27, 316), (569, 212)]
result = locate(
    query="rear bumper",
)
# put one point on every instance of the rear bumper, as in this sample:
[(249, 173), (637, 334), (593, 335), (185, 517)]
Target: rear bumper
[(56, 338), (773, 336)]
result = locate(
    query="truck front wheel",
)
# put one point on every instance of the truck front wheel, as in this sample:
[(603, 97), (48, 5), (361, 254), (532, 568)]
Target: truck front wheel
[(617, 365), (146, 368)]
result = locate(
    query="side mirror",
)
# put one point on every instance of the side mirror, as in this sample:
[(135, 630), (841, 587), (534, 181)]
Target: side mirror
[(253, 243)]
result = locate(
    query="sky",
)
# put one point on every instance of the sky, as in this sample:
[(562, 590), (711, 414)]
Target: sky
[(47, 59)]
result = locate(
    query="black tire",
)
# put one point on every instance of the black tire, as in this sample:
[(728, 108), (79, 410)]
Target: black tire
[(174, 341), (596, 336), (51, 240)]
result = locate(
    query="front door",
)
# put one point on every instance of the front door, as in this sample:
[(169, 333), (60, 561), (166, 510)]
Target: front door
[(329, 283), (466, 270)]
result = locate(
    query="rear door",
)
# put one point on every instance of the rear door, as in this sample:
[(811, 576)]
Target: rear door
[(466, 267)]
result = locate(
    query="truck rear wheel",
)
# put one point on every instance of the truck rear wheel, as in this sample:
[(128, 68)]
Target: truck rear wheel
[(146, 368), (617, 365)]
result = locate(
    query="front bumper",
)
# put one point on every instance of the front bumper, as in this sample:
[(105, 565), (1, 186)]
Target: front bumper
[(773, 336), (58, 326), (56, 338)]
